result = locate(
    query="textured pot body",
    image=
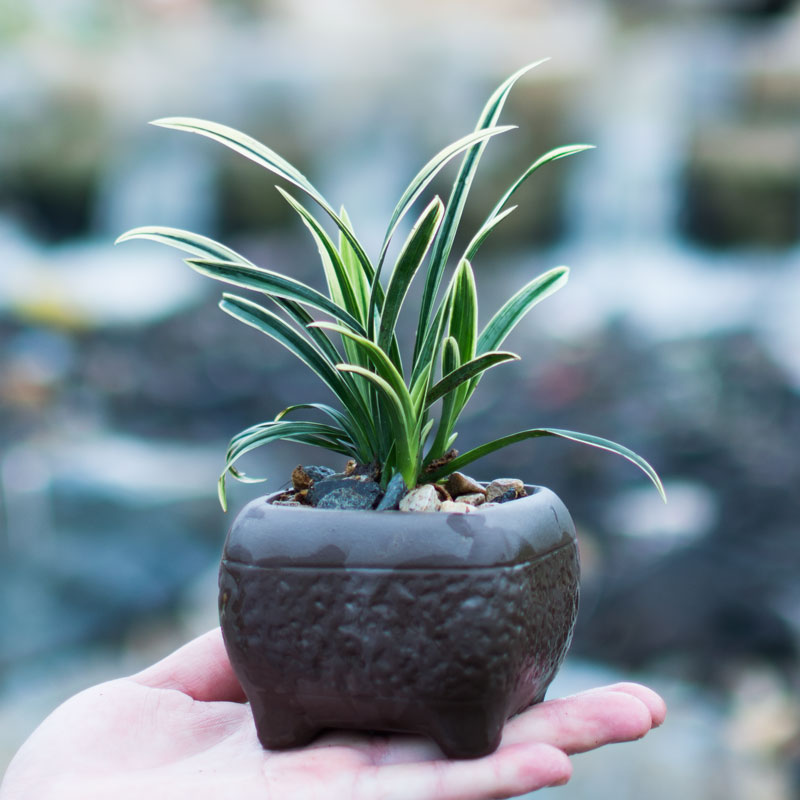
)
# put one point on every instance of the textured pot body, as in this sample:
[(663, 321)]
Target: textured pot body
[(438, 624)]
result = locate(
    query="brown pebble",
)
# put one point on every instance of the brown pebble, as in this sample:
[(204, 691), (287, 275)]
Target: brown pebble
[(459, 484), (444, 495), (300, 478)]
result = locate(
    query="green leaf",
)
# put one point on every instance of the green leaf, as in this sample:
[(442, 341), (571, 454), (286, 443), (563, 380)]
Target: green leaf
[(451, 360), (404, 441), (352, 265), (363, 454), (467, 371), (464, 316), (555, 154), (428, 173), (322, 343), (480, 237), (418, 390), (431, 342), (457, 200), (339, 285), (584, 438), (383, 364), (337, 416), (408, 262), (187, 241), (269, 159), (507, 318), (313, 433), (265, 321), (272, 283)]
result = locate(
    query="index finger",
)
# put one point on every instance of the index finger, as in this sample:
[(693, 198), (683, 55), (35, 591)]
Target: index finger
[(200, 669)]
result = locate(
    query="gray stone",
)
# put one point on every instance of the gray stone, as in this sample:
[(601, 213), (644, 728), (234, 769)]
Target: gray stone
[(344, 493), (504, 489), (423, 498), (395, 491)]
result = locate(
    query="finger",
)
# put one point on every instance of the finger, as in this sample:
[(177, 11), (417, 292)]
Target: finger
[(582, 722), (653, 701), (200, 669), (509, 772)]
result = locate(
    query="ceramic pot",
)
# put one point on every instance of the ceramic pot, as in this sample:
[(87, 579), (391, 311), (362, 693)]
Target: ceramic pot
[(431, 623)]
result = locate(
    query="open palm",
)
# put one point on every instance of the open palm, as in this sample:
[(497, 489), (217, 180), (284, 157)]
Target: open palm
[(181, 729)]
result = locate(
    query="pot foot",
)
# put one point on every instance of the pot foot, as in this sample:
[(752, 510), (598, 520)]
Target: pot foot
[(279, 725), (466, 731)]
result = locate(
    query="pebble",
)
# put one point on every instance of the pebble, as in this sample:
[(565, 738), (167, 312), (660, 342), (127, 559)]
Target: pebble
[(504, 489), (459, 484), (473, 499), (395, 491), (454, 507), (344, 493), (423, 498)]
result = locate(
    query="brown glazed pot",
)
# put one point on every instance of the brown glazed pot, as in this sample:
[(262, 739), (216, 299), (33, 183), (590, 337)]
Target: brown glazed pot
[(431, 623)]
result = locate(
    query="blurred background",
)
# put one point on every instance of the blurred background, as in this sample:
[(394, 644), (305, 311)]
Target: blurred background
[(678, 335)]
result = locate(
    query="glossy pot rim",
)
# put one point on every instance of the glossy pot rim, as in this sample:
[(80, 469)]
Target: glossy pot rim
[(520, 531)]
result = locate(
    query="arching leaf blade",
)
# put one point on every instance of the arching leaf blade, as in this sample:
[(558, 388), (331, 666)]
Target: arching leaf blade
[(273, 326), (428, 173), (451, 361), (273, 283), (464, 317), (514, 309), (339, 285), (383, 364), (594, 441), (466, 372), (192, 243), (405, 447), (458, 197), (313, 433), (483, 233), (556, 154), (408, 263), (266, 157)]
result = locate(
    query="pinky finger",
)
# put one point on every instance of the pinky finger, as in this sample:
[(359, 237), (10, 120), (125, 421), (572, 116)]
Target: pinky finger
[(510, 771)]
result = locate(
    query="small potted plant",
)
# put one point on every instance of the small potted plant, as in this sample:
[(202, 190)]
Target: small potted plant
[(343, 602)]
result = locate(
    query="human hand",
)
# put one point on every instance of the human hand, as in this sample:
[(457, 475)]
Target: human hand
[(180, 729)]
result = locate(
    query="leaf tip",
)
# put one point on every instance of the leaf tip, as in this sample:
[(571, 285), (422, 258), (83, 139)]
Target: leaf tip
[(223, 500)]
